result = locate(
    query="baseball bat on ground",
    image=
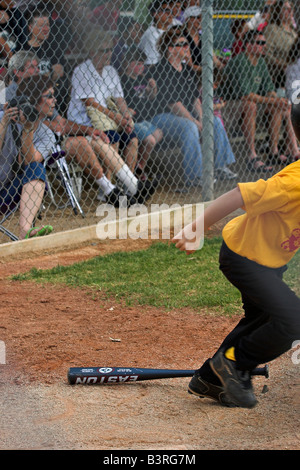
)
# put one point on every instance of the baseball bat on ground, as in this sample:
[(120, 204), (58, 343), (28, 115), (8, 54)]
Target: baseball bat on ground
[(113, 375)]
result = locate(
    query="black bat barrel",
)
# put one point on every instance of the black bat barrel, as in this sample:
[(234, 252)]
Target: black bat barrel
[(113, 375)]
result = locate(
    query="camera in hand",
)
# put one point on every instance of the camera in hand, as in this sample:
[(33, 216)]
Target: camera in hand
[(23, 104)]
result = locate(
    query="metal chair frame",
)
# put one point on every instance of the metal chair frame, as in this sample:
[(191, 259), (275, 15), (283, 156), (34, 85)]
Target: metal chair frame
[(57, 159)]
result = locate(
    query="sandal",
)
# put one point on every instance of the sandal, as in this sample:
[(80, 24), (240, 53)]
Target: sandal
[(293, 158), (277, 159), (45, 230), (251, 165)]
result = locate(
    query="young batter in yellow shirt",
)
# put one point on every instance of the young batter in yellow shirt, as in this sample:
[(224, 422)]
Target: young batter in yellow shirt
[(269, 231), (256, 248)]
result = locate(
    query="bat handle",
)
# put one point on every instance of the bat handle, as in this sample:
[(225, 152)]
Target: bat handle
[(261, 371)]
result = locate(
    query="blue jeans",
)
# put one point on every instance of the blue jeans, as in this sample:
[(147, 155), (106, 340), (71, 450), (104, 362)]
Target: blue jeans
[(11, 194), (186, 135)]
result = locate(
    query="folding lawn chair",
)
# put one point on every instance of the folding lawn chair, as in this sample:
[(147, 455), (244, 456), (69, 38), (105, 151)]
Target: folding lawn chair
[(64, 174)]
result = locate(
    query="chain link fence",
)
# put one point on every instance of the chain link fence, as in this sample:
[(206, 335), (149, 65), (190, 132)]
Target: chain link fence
[(139, 102)]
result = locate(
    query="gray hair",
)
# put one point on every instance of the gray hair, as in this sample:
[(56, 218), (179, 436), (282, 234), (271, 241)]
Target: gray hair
[(18, 62)]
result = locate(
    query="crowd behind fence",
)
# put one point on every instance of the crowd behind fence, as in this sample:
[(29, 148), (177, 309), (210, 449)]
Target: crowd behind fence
[(132, 103)]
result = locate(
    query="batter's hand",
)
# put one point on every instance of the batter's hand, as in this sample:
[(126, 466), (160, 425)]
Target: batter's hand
[(190, 238)]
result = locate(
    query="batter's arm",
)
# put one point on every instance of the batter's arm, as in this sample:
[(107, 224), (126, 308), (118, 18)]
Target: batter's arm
[(189, 238)]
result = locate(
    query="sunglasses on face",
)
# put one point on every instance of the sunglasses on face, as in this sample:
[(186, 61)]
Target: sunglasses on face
[(260, 43), (49, 96)]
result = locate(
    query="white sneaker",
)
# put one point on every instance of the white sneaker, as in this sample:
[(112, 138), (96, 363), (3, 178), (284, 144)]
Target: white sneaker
[(225, 174)]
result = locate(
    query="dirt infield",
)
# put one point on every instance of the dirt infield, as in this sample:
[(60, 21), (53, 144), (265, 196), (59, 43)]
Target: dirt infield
[(48, 329)]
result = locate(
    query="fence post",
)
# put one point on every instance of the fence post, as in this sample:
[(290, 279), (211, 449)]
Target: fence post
[(207, 100)]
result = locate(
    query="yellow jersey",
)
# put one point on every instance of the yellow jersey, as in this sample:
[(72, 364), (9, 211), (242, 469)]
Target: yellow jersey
[(269, 231)]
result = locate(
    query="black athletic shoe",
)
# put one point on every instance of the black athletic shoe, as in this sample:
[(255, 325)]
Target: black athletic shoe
[(237, 383), (118, 199), (204, 389), (145, 190)]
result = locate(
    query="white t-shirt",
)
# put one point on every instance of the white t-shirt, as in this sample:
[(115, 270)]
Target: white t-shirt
[(292, 82), (148, 43), (88, 83), (44, 140), (255, 21)]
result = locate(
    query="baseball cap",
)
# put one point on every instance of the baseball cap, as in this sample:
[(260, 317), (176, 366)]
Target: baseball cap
[(191, 12)]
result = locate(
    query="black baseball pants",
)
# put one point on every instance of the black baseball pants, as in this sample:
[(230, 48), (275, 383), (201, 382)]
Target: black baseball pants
[(272, 312)]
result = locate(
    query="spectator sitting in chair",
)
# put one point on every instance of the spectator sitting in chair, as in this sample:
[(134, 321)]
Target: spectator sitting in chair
[(49, 50), (40, 43), (22, 176), (97, 100), (95, 84), (178, 110), (162, 14), (129, 35), (292, 76), (13, 23), (249, 88), (280, 34), (192, 30), (83, 143), (7, 42)]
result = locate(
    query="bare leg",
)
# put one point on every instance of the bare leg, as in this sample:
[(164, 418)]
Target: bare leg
[(108, 155), (292, 143), (31, 200), (108, 170), (80, 149), (147, 146), (249, 111), (131, 153), (115, 164), (275, 126)]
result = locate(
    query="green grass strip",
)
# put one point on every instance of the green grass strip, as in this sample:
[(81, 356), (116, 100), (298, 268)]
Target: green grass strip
[(159, 276)]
